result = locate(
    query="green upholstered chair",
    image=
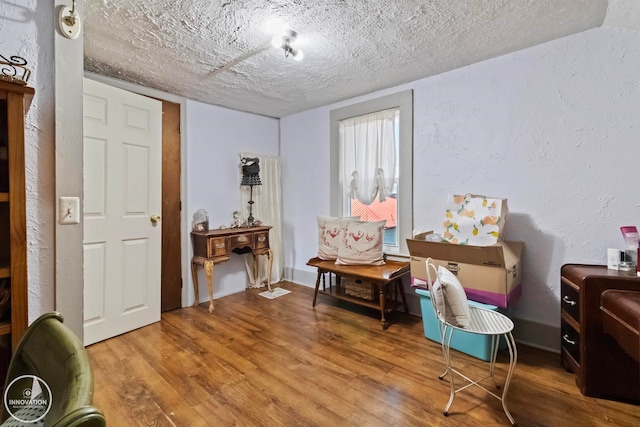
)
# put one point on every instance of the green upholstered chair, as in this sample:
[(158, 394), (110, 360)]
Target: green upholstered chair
[(50, 352)]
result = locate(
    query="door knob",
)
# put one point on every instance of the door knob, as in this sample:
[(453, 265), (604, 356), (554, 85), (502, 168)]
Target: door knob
[(154, 219)]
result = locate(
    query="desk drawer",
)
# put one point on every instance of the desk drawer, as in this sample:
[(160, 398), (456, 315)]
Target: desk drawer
[(218, 246), (243, 240), (570, 300), (570, 340), (261, 239)]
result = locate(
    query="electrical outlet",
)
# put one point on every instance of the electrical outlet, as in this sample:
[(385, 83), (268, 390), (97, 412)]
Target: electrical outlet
[(69, 210)]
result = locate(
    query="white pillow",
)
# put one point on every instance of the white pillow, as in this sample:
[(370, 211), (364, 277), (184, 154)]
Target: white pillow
[(362, 243), (456, 304), (331, 235), (450, 300)]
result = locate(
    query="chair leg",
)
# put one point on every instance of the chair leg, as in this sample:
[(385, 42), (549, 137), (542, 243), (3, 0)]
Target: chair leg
[(446, 349), (495, 343), (446, 335), (513, 359), (441, 327)]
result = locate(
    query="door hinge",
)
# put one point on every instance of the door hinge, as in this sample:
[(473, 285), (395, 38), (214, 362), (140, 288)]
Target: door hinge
[(181, 283)]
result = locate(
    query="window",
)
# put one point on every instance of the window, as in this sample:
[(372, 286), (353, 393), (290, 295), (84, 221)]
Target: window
[(369, 168), (394, 168)]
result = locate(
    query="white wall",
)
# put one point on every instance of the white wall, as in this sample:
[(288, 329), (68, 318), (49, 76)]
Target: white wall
[(27, 29), (553, 128), (216, 136)]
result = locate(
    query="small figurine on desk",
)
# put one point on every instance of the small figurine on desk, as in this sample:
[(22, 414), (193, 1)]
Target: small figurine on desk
[(237, 221), (254, 223)]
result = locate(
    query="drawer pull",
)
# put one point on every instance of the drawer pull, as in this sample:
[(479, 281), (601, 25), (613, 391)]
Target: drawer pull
[(220, 245), (242, 238), (565, 337), (261, 239), (568, 301)]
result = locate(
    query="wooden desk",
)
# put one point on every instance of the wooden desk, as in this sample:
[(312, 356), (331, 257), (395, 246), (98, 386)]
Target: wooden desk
[(381, 276), (215, 246)]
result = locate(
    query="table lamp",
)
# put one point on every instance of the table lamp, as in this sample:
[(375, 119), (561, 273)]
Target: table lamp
[(250, 177)]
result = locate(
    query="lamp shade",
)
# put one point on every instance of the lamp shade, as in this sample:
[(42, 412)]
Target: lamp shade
[(250, 171)]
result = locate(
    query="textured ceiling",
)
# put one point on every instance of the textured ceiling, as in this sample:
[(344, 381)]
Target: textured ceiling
[(216, 51)]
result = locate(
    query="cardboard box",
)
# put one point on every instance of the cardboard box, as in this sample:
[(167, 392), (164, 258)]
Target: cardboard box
[(475, 345), (489, 274)]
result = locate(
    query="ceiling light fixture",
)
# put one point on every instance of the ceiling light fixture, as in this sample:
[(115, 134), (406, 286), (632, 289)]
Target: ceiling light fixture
[(284, 41)]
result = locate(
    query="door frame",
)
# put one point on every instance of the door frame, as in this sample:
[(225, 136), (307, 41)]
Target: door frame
[(170, 270), (184, 220)]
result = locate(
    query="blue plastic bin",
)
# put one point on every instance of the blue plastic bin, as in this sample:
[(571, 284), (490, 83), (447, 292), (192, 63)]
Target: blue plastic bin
[(472, 344)]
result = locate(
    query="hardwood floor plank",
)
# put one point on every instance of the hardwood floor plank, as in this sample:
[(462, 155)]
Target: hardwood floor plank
[(281, 362)]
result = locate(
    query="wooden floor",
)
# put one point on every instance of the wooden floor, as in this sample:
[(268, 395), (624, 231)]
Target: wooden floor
[(261, 362)]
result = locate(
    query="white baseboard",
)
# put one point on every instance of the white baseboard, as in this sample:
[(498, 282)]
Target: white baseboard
[(539, 335)]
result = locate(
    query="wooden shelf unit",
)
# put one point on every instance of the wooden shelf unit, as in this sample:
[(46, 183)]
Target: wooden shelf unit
[(15, 100)]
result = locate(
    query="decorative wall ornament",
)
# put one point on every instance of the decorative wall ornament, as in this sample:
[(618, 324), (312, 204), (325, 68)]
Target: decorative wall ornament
[(69, 21), (14, 69)]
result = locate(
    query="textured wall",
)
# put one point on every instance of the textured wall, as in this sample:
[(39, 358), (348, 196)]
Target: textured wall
[(553, 128), (27, 29)]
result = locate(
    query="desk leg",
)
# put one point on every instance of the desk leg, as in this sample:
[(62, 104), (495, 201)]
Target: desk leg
[(255, 267), (208, 269), (315, 295), (385, 324), (194, 276), (402, 295), (270, 258)]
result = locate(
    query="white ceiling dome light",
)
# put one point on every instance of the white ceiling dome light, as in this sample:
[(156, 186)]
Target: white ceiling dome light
[(284, 37)]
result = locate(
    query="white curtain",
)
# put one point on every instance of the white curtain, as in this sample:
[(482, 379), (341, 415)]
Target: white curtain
[(369, 155), (267, 209)]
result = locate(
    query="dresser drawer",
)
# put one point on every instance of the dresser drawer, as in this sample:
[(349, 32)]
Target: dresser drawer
[(241, 241), (570, 301), (261, 239), (570, 340), (217, 247)]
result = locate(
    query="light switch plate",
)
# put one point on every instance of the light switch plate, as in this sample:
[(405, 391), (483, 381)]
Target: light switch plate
[(69, 210)]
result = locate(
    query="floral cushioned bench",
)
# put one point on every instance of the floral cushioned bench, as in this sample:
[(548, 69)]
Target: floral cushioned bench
[(352, 250)]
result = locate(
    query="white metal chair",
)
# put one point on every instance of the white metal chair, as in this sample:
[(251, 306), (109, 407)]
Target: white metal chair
[(481, 321)]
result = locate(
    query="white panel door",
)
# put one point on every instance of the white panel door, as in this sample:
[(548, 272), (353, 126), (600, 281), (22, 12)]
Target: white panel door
[(122, 195)]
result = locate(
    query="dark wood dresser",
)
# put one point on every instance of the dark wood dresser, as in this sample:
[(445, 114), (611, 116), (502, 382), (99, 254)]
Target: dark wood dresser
[(602, 368)]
